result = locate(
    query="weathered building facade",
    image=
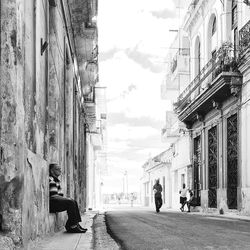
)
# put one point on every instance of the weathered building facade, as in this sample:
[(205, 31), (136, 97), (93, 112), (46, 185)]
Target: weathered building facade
[(49, 67), (214, 104)]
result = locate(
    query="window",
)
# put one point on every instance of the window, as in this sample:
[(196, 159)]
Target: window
[(176, 181), (182, 179), (213, 63), (236, 41), (234, 13), (214, 26), (197, 57)]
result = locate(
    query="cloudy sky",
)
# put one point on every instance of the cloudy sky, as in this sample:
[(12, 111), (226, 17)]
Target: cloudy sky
[(133, 41)]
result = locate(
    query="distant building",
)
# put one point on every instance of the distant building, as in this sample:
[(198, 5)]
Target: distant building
[(155, 168)]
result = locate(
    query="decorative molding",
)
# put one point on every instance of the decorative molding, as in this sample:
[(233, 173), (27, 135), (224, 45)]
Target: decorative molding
[(216, 104), (235, 90), (197, 13), (199, 117)]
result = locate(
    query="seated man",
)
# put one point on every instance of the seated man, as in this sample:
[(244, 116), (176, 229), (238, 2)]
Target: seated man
[(58, 203)]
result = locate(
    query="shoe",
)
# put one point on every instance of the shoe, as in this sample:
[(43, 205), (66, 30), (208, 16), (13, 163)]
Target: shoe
[(82, 228), (181, 209), (76, 230), (188, 211)]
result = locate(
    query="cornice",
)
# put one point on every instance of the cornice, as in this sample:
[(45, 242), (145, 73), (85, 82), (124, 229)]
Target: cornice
[(194, 15)]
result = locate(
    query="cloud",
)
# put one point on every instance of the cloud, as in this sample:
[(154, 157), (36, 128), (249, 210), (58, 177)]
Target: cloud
[(132, 22), (119, 117), (124, 131), (143, 59), (165, 13), (105, 55), (130, 88), (122, 73), (133, 39)]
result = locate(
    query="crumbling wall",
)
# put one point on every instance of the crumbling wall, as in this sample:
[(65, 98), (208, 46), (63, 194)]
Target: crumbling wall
[(11, 144), (37, 115)]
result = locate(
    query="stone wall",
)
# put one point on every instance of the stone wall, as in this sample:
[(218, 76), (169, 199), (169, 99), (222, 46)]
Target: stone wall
[(12, 149), (41, 118)]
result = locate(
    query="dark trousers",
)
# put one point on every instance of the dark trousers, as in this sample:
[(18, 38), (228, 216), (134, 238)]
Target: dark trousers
[(58, 203), (158, 203), (183, 201)]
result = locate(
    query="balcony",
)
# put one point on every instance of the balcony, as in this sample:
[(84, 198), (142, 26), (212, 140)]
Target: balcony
[(218, 80)]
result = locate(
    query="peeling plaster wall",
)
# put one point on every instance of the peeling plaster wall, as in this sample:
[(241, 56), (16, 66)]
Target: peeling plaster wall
[(12, 112), (38, 107)]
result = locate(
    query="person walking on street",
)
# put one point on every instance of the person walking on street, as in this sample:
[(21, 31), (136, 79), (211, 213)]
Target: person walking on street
[(58, 203), (157, 188), (183, 196), (191, 202)]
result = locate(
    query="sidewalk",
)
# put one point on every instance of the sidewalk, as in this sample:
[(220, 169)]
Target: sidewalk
[(229, 215), (67, 241)]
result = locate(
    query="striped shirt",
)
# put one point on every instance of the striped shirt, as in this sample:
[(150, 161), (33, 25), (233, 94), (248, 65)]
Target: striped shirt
[(54, 186)]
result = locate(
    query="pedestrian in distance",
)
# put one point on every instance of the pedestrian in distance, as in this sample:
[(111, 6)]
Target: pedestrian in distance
[(183, 196), (59, 203), (191, 202), (157, 188)]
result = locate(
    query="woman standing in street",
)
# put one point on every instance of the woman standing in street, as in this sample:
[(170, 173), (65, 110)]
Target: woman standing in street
[(183, 196)]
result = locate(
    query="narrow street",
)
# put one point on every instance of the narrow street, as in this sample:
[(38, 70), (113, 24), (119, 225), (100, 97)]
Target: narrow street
[(145, 229)]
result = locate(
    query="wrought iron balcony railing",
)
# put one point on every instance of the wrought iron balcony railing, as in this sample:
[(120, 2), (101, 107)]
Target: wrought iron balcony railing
[(244, 38), (224, 60)]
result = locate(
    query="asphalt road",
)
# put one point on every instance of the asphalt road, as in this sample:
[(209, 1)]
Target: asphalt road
[(145, 229)]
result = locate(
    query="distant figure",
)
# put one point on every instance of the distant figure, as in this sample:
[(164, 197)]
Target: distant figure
[(183, 196), (58, 203), (191, 202), (157, 190), (132, 199)]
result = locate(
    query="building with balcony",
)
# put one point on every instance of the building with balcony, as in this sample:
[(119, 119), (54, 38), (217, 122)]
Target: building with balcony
[(174, 132), (214, 104), (96, 162)]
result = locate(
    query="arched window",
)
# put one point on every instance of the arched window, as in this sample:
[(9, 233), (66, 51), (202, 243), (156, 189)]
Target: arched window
[(212, 36), (214, 26), (197, 54)]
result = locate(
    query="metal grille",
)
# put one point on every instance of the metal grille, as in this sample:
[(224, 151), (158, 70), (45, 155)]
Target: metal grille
[(212, 167), (244, 35), (197, 166), (232, 161)]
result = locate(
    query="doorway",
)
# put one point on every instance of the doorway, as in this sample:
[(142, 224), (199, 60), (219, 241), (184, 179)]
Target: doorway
[(232, 161), (197, 169), (212, 167)]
